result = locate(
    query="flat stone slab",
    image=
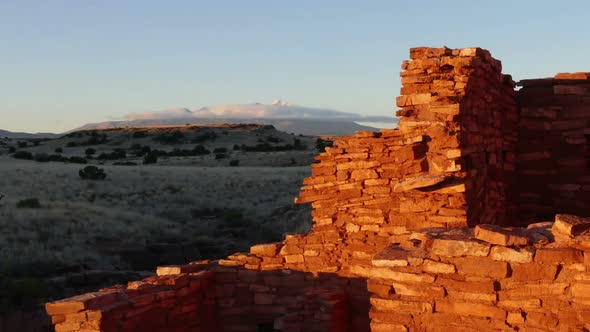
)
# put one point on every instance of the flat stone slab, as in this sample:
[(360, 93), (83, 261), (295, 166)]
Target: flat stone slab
[(570, 225), (504, 236), (418, 182)]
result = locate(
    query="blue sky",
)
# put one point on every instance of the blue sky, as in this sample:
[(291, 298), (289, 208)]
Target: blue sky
[(66, 63)]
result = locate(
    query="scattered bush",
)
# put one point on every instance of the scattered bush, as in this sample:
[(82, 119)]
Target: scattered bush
[(208, 135), (266, 147), (42, 157), (72, 144), (234, 163), (220, 150), (90, 151), (298, 145), (11, 149), (77, 160), (236, 147), (92, 173), (125, 163), (23, 155), (116, 154), (29, 203), (220, 156), (273, 139), (173, 137), (95, 139), (139, 134), (59, 150), (22, 144), (150, 158), (321, 144)]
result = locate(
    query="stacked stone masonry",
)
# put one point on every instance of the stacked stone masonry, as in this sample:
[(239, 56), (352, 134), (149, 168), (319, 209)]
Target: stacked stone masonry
[(554, 146), (409, 229)]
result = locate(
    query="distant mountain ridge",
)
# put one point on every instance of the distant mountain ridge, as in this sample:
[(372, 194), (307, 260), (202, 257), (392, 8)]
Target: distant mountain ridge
[(10, 134), (314, 127)]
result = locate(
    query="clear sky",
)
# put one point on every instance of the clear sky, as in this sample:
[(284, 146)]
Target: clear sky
[(66, 63)]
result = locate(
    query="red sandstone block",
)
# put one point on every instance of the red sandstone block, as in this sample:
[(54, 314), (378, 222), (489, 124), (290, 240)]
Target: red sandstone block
[(533, 271), (470, 309), (453, 248), (570, 225), (481, 267), (559, 256), (409, 306), (502, 236), (458, 282), (266, 250), (533, 291)]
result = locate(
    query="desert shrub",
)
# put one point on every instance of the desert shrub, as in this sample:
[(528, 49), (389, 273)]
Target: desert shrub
[(139, 134), (234, 163), (234, 218), (59, 150), (21, 293), (208, 135), (266, 147), (22, 144), (321, 144), (220, 150), (297, 145), (72, 144), (92, 173), (173, 137), (220, 156), (90, 151), (150, 158), (125, 163), (136, 146), (42, 157), (11, 149), (57, 157), (116, 154), (23, 155), (77, 160), (236, 147), (95, 138), (273, 139), (200, 150), (29, 203)]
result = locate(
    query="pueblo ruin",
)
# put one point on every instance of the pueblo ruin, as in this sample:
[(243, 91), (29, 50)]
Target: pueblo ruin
[(470, 216)]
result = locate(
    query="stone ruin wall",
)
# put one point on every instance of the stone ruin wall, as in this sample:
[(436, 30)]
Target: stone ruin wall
[(554, 146), (452, 163)]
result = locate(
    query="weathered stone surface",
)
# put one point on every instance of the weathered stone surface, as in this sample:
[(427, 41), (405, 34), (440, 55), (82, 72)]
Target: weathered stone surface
[(470, 309), (500, 235), (418, 182), (266, 250), (501, 253), (570, 225), (438, 267), (453, 248)]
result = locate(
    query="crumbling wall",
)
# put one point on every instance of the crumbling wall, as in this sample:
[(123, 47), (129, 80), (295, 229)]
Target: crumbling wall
[(554, 146), (183, 302), (487, 279), (450, 164)]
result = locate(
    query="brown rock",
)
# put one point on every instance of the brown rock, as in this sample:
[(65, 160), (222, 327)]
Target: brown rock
[(266, 250), (533, 271), (502, 236), (559, 256), (453, 248), (470, 309), (481, 267), (570, 225), (418, 182), (504, 254), (438, 267), (401, 305)]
